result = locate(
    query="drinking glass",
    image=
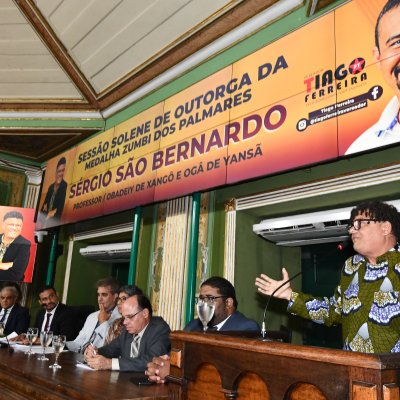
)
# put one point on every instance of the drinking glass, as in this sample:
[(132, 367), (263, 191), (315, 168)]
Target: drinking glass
[(31, 335), (58, 346), (2, 329), (205, 310), (45, 340)]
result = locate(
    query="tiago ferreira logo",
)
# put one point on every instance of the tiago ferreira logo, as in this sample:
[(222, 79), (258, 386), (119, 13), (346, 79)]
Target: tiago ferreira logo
[(331, 81)]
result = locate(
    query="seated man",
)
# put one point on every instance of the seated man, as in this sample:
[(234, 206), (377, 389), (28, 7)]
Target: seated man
[(14, 317), (125, 292), (98, 323), (54, 316), (226, 318), (143, 338)]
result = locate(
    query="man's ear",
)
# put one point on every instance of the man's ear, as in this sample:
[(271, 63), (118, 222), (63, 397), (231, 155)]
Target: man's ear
[(146, 313), (387, 228), (229, 302), (377, 55)]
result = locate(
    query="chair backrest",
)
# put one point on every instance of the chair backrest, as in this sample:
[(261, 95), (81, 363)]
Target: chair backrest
[(81, 313)]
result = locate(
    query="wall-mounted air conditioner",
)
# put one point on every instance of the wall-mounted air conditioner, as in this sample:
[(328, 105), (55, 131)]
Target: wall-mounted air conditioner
[(110, 252), (310, 228)]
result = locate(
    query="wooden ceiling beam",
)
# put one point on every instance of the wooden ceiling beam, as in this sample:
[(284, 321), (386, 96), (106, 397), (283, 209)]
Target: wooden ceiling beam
[(58, 51)]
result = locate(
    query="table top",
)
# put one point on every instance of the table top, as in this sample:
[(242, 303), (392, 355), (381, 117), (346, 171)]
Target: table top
[(73, 381)]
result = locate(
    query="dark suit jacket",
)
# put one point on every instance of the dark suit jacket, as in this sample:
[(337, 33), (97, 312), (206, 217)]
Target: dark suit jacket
[(59, 200), (155, 341), (18, 320), (18, 252), (63, 322), (236, 322)]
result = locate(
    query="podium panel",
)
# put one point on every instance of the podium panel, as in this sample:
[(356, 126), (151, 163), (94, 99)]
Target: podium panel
[(209, 366)]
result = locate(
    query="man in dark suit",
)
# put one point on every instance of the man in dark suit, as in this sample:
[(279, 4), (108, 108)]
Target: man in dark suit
[(143, 338), (220, 292), (53, 204), (55, 316), (14, 248), (14, 317)]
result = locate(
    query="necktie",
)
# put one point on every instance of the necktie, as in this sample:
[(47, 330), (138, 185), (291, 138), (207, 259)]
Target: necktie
[(47, 324), (135, 346), (4, 315)]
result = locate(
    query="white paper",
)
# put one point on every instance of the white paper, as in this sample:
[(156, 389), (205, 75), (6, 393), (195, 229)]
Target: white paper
[(9, 337), (84, 366), (35, 349)]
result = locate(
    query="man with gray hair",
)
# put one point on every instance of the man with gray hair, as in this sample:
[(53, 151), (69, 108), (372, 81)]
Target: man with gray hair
[(14, 317), (97, 324)]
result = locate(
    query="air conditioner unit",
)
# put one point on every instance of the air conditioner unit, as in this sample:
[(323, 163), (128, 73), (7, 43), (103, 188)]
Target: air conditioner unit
[(310, 228), (110, 252)]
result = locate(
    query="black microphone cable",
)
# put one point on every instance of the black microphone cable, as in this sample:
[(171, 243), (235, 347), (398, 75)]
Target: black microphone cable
[(263, 330)]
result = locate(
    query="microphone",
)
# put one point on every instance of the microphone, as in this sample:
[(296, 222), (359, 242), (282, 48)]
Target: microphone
[(263, 330)]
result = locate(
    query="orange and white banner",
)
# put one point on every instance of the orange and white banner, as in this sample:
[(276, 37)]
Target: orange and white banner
[(314, 95)]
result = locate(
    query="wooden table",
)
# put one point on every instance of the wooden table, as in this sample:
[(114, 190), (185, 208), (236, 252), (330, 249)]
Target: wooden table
[(213, 366), (24, 377)]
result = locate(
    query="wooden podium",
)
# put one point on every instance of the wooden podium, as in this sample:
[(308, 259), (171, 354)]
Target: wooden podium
[(213, 366)]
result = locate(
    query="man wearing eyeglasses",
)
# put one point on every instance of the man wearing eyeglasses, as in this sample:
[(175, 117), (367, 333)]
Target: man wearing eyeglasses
[(143, 338), (366, 302), (14, 248), (220, 292), (116, 327)]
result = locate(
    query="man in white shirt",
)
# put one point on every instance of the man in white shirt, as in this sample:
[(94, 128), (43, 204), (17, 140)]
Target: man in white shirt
[(387, 53), (96, 326)]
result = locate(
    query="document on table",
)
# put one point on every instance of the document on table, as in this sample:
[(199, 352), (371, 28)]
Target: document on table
[(9, 337), (35, 349), (84, 366)]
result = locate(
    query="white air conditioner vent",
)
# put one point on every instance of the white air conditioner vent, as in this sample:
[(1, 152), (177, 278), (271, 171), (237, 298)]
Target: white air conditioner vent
[(310, 228), (110, 252)]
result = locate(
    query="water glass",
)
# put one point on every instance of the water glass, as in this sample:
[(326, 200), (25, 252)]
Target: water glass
[(58, 346), (45, 340), (31, 335)]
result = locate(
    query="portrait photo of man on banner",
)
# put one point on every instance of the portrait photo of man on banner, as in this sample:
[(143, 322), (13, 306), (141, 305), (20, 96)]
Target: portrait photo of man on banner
[(17, 245)]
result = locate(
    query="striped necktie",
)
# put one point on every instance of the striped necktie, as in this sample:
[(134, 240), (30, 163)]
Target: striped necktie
[(47, 324), (135, 346)]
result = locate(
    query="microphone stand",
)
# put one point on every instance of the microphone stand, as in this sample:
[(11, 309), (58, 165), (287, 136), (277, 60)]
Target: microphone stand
[(263, 329), (10, 349)]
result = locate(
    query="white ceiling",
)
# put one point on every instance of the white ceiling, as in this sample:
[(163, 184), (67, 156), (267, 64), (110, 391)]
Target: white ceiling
[(107, 40), (85, 60), (27, 68)]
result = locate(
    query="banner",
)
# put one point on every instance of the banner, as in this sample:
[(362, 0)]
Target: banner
[(314, 95), (17, 244)]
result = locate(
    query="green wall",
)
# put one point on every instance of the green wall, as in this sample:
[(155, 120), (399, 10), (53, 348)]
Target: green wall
[(84, 274)]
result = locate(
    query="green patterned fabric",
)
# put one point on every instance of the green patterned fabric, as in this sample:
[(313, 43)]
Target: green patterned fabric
[(366, 303)]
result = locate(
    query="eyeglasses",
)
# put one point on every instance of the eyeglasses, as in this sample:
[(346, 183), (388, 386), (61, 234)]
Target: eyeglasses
[(131, 316), (356, 224), (208, 299), (121, 299)]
